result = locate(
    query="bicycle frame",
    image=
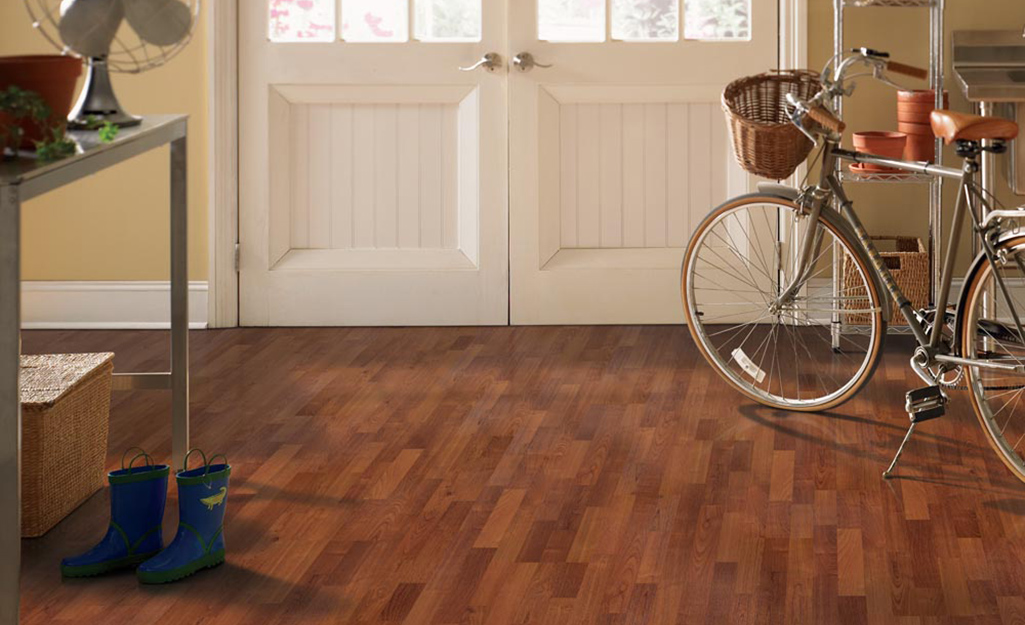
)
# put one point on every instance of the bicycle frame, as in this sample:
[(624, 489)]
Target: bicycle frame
[(970, 201)]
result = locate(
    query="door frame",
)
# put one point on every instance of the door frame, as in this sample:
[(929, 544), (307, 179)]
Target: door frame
[(222, 196), (223, 113)]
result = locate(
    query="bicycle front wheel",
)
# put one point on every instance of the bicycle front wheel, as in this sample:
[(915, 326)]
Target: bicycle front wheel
[(811, 351), (989, 333)]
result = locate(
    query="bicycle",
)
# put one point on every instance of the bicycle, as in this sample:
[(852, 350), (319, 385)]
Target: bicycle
[(788, 298)]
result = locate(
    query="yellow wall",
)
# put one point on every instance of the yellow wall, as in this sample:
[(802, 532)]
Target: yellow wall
[(903, 209), (114, 226)]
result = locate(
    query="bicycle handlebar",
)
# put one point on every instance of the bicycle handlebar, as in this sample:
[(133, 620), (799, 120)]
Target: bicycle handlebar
[(826, 119), (907, 70), (833, 87)]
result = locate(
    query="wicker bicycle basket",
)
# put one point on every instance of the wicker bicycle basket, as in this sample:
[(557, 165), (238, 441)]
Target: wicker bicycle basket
[(765, 142)]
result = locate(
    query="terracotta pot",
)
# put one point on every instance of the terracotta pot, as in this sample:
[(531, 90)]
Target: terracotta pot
[(880, 143), (908, 128), (922, 96), (921, 118), (920, 148), (53, 77), (909, 111)]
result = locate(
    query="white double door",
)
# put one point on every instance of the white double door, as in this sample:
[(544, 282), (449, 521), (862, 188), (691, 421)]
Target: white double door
[(382, 185)]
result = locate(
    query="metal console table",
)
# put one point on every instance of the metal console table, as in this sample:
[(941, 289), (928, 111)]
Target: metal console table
[(24, 179)]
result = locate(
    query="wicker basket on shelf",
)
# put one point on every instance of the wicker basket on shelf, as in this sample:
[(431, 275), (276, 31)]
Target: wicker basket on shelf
[(764, 141), (909, 265), (65, 403)]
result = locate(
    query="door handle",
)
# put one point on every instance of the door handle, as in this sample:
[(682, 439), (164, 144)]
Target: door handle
[(524, 61), (492, 61)]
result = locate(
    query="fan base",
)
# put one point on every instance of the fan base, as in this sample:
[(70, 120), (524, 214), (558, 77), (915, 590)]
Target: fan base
[(88, 120), (98, 104)]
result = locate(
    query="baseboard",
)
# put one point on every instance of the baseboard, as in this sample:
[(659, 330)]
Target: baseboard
[(106, 305)]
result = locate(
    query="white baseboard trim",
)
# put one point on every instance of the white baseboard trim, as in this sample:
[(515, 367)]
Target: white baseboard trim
[(106, 305)]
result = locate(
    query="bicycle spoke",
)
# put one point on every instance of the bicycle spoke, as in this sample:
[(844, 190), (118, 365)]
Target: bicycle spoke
[(779, 351), (998, 394)]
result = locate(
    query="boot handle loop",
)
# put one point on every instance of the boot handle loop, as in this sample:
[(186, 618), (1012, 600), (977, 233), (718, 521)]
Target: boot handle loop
[(185, 463), (142, 454), (215, 457), (149, 460)]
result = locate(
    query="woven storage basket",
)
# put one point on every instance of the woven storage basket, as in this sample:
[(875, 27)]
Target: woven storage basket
[(65, 403), (764, 141), (909, 265)]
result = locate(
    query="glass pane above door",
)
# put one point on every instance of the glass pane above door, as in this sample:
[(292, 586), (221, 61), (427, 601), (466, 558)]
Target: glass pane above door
[(448, 20), (301, 20), (375, 20), (717, 20), (571, 20), (646, 20)]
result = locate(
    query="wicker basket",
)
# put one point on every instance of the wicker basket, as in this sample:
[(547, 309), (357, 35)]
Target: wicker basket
[(65, 402), (909, 265), (764, 141)]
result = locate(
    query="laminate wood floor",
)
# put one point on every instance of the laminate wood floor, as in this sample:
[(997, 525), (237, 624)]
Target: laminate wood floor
[(598, 475)]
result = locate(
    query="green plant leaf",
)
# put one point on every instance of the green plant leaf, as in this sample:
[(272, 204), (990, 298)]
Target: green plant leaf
[(108, 132)]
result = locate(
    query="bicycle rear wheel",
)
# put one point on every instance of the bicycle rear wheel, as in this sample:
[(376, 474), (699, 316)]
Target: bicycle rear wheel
[(781, 354), (988, 332)]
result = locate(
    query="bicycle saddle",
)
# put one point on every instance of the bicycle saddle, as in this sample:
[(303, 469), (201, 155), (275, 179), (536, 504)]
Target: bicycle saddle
[(953, 127)]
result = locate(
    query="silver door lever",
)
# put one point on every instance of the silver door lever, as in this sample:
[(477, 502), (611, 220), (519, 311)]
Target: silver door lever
[(492, 61), (524, 61)]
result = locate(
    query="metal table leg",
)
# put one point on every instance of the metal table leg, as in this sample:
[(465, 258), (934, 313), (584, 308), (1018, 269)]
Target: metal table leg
[(179, 302), (10, 403)]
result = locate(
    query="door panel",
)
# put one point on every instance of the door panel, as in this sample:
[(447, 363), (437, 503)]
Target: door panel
[(630, 149), (375, 175), (619, 149), (374, 172)]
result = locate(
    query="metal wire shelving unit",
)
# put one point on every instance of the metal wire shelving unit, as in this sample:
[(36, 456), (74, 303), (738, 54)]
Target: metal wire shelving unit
[(936, 59)]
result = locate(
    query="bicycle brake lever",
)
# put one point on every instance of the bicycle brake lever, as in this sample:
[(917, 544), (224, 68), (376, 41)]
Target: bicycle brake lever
[(797, 115), (878, 74), (798, 120)]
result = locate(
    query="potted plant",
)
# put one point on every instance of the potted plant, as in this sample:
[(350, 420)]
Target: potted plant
[(28, 110), (25, 115), (52, 78)]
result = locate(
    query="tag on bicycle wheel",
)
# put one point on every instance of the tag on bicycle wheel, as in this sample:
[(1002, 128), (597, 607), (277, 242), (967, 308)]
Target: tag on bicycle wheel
[(748, 365)]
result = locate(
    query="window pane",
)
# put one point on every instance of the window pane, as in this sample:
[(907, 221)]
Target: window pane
[(302, 20), (717, 19), (448, 20), (375, 20), (571, 20), (646, 20)]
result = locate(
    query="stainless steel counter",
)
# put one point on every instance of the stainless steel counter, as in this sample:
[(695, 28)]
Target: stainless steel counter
[(989, 67), (991, 84)]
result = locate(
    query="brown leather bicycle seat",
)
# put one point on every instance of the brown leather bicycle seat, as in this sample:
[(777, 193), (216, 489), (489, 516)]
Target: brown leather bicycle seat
[(953, 127)]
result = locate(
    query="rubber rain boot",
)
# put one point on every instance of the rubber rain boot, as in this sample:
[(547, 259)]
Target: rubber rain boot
[(137, 499), (199, 542)]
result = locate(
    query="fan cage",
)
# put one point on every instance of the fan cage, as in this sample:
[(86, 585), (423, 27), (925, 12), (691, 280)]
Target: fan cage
[(124, 57)]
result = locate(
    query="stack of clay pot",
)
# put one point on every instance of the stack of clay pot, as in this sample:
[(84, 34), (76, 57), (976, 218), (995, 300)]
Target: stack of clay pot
[(913, 109)]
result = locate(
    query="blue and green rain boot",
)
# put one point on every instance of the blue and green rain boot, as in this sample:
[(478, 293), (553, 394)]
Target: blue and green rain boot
[(137, 498), (199, 543)]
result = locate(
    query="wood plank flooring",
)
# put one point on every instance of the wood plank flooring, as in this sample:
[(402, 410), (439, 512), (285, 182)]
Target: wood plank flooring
[(598, 475)]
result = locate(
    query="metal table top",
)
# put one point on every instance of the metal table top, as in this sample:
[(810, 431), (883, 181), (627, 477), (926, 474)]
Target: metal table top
[(991, 84), (990, 65), (35, 178)]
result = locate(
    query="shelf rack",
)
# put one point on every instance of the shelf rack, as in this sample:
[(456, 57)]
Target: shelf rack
[(936, 13), (902, 177), (890, 3)]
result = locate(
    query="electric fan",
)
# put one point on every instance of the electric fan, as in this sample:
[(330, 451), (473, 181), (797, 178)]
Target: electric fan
[(127, 36)]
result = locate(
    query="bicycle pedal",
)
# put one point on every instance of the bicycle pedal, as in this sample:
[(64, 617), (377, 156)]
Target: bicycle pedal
[(924, 404)]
